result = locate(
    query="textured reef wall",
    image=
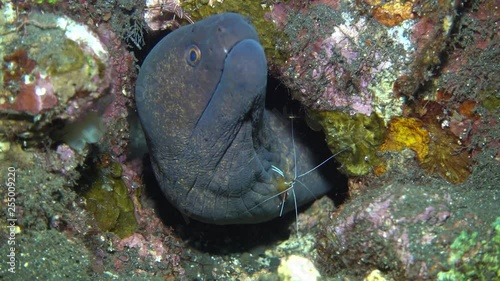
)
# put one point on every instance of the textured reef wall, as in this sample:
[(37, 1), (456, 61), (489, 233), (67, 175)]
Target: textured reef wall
[(406, 91), (380, 59)]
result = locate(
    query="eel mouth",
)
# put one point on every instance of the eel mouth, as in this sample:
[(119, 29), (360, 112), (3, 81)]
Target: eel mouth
[(241, 58), (244, 52)]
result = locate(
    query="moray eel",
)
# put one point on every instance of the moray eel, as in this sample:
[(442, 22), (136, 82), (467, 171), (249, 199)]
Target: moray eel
[(200, 96)]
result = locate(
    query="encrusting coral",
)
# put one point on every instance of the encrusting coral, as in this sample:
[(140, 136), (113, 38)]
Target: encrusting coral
[(358, 137), (409, 133), (109, 201), (436, 150)]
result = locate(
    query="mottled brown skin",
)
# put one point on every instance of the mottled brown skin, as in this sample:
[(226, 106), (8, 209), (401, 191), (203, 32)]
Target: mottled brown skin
[(211, 141)]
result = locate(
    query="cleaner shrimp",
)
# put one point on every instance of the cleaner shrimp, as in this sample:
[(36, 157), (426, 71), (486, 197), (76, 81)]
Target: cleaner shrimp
[(286, 186)]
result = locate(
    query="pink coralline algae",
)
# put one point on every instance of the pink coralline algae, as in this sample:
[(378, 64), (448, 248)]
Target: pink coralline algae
[(33, 97), (122, 78), (59, 79), (344, 40), (67, 159), (79, 69), (403, 230), (343, 60), (151, 243)]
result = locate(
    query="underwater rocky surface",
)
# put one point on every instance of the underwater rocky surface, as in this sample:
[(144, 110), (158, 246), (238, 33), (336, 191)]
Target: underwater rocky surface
[(406, 91)]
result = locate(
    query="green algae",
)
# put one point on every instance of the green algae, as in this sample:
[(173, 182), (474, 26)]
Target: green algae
[(490, 101), (46, 2), (359, 135), (110, 203), (474, 259), (255, 10), (69, 57), (68, 63)]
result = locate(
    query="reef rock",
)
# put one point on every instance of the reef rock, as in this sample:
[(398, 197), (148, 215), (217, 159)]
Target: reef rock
[(415, 232)]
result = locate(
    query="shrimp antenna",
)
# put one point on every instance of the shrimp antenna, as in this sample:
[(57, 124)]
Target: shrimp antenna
[(291, 184), (320, 164)]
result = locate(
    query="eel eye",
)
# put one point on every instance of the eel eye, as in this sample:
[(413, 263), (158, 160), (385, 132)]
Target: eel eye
[(193, 55)]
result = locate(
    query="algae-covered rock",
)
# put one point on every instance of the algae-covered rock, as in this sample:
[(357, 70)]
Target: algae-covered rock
[(472, 258), (434, 231), (359, 135), (437, 151), (53, 68), (408, 133), (110, 203), (255, 10)]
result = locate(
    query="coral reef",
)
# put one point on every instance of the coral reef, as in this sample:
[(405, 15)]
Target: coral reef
[(52, 217), (436, 150), (352, 64), (407, 133), (356, 138), (472, 258), (75, 71), (406, 230), (408, 88), (295, 268), (54, 71), (108, 199), (66, 89), (467, 87), (344, 60), (255, 10)]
